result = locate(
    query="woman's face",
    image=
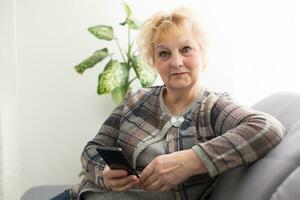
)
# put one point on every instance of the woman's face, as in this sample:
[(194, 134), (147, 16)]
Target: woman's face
[(179, 60)]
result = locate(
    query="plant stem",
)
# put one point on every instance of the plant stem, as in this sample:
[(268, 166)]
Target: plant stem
[(128, 59), (128, 48), (132, 80), (118, 44), (128, 41)]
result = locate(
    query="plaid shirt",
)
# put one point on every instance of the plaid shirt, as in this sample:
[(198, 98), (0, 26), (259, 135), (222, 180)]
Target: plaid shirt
[(223, 133)]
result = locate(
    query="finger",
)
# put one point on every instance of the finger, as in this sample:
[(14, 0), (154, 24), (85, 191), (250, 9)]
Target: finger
[(150, 180), (155, 186), (164, 188), (147, 172), (110, 173), (121, 182), (127, 186)]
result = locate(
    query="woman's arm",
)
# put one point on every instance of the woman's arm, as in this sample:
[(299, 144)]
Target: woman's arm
[(243, 136), (92, 163)]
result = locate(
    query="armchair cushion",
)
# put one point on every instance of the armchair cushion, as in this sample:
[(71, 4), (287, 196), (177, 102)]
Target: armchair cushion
[(44, 192)]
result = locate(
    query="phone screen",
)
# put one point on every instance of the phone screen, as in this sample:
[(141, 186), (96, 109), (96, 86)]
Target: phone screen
[(115, 159)]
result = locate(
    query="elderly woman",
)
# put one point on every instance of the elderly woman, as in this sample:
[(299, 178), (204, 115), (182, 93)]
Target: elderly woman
[(179, 136)]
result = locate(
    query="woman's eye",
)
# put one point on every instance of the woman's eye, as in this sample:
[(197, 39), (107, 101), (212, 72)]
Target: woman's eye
[(186, 49), (164, 54)]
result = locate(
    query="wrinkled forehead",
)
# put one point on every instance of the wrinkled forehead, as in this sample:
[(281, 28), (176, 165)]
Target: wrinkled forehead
[(167, 31)]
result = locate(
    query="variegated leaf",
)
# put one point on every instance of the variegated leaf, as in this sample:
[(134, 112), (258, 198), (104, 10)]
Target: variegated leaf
[(114, 75), (119, 93), (127, 9), (102, 32), (97, 57), (145, 74)]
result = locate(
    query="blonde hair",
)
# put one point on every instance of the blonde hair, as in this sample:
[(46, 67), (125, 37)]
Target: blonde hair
[(164, 25)]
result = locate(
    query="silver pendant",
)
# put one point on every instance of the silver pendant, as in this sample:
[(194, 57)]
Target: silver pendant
[(176, 121)]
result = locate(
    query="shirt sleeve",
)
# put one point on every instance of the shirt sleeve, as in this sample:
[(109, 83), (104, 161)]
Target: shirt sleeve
[(242, 135), (91, 161)]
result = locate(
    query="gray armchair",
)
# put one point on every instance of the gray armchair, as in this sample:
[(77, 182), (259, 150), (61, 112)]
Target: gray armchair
[(274, 177)]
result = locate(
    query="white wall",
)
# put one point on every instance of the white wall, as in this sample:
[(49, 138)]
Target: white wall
[(7, 63), (265, 47), (50, 112), (9, 142), (58, 110)]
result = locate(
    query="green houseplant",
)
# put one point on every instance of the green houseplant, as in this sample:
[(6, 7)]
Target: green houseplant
[(115, 77)]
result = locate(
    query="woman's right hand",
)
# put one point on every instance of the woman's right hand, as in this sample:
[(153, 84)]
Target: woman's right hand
[(117, 180)]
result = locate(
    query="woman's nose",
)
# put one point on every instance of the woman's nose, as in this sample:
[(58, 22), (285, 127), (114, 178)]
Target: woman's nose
[(176, 60)]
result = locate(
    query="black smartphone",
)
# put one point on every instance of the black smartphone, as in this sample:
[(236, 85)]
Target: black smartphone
[(115, 159)]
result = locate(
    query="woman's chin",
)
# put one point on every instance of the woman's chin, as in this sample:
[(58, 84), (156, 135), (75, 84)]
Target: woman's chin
[(178, 86)]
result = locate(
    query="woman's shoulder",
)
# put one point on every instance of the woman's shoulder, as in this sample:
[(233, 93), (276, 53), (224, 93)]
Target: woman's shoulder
[(135, 97), (138, 94), (210, 95), (220, 101)]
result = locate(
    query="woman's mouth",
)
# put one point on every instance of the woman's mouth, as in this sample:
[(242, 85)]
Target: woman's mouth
[(178, 74)]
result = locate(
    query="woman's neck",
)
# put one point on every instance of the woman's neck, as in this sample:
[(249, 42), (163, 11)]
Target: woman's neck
[(177, 100)]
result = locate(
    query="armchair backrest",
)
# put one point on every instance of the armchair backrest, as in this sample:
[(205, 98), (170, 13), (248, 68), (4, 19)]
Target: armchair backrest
[(277, 175)]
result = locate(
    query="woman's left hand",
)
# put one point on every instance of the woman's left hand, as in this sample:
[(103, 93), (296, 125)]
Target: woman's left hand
[(167, 171)]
